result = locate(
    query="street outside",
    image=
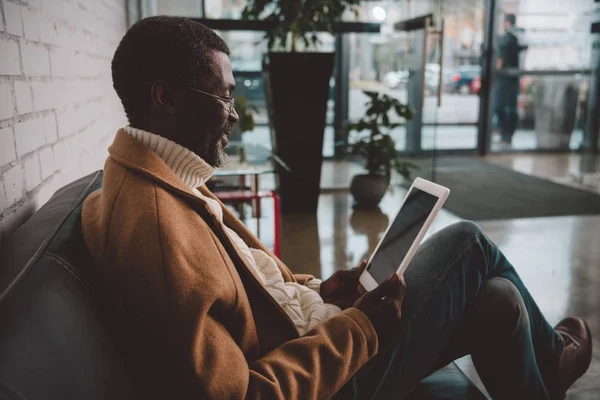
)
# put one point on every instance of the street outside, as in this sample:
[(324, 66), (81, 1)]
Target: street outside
[(454, 109)]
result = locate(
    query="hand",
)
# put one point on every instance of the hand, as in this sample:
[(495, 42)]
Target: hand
[(383, 305), (341, 288), (499, 63)]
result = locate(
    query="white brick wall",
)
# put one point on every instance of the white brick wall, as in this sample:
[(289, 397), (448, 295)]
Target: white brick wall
[(58, 111)]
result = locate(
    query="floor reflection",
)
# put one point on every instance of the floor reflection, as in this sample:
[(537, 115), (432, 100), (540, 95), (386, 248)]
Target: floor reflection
[(370, 225)]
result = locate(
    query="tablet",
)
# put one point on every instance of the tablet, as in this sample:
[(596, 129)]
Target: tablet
[(404, 235)]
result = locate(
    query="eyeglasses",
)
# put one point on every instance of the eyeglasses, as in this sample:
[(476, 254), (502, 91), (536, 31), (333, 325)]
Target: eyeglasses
[(226, 100)]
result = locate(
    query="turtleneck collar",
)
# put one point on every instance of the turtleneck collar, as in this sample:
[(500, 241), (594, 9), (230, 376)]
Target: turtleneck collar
[(187, 165)]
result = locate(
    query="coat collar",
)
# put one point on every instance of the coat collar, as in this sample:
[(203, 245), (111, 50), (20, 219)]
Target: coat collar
[(135, 156)]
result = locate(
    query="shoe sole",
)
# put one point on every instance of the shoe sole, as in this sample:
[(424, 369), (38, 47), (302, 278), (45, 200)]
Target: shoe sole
[(582, 371), (589, 332)]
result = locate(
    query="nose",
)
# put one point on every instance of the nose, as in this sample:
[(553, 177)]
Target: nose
[(233, 116)]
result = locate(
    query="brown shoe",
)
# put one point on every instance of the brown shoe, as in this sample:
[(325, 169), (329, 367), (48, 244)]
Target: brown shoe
[(576, 356)]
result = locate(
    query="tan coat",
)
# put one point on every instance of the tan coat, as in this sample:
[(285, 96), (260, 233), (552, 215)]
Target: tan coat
[(193, 317)]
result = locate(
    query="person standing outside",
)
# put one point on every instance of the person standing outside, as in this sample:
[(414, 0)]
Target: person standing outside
[(507, 88)]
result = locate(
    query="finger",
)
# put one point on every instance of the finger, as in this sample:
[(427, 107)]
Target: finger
[(388, 287), (361, 268), (358, 270), (361, 289), (395, 306), (390, 309)]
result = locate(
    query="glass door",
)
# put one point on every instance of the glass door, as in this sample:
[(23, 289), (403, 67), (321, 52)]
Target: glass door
[(443, 42), (420, 65)]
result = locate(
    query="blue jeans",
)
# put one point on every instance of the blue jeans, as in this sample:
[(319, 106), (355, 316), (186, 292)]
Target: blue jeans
[(507, 94), (464, 297)]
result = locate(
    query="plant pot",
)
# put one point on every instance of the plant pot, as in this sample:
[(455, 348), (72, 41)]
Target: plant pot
[(555, 112), (368, 190), (297, 87)]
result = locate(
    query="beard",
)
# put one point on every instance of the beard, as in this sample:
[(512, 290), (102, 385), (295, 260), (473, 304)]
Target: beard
[(216, 143)]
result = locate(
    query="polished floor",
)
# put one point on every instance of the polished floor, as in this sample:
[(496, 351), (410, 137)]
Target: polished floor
[(558, 258)]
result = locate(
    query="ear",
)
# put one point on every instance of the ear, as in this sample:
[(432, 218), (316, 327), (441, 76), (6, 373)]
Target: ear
[(163, 96)]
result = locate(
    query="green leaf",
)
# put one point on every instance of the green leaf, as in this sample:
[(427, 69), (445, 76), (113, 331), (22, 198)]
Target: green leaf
[(372, 95), (385, 120), (302, 17)]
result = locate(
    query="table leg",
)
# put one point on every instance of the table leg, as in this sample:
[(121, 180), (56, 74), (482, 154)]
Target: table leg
[(242, 205), (256, 211)]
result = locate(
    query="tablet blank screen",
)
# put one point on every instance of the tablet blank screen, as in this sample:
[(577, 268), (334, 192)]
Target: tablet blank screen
[(402, 234)]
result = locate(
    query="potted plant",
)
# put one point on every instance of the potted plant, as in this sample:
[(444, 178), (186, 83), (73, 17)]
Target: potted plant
[(298, 86), (370, 138)]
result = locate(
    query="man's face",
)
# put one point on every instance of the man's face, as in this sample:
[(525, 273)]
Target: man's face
[(202, 122)]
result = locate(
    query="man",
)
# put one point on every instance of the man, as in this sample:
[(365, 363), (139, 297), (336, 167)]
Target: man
[(507, 88), (203, 310)]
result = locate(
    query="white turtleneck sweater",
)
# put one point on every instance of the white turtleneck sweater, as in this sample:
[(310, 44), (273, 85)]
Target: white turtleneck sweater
[(302, 304)]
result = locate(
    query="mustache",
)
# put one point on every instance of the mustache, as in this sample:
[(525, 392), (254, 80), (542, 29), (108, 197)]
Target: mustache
[(227, 128)]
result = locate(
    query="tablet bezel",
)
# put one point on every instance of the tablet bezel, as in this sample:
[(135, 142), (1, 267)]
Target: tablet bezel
[(441, 192)]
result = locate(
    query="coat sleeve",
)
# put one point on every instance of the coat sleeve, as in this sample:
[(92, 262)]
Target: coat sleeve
[(208, 329), (318, 364), (314, 366)]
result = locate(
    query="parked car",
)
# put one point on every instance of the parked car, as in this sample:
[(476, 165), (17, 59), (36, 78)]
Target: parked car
[(399, 79), (458, 80), (395, 79), (476, 85)]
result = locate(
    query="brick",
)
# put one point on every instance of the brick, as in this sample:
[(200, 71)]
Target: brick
[(67, 122), (24, 100), (17, 217), (3, 206), (6, 101), (10, 58), (67, 93), (54, 7), (50, 128), (73, 14), (72, 121), (36, 60), (48, 189), (13, 184), (47, 29), (65, 36), (36, 4), (29, 135), (47, 162), (14, 20), (31, 169), (43, 96), (61, 154), (7, 146), (31, 25), (62, 62)]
